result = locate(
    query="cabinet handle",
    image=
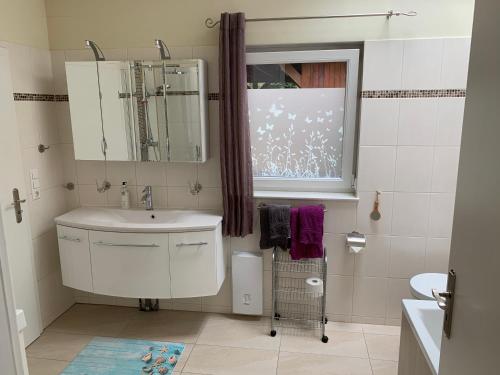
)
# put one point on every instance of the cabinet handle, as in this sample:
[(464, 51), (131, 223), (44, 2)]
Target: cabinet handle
[(72, 239), (101, 243), (191, 244)]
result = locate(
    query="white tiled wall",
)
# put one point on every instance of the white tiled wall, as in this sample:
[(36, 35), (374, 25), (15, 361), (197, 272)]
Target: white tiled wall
[(408, 151), (38, 122)]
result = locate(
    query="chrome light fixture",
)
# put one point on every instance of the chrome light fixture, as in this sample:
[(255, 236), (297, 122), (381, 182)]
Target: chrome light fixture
[(99, 56), (160, 44)]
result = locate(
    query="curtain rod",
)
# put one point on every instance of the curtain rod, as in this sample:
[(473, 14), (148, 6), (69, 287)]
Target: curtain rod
[(210, 23)]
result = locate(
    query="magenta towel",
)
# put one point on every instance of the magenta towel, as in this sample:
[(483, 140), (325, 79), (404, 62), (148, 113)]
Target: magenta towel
[(306, 229)]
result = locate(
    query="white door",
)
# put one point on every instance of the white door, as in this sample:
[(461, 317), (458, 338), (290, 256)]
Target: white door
[(17, 235), (473, 347), (10, 347)]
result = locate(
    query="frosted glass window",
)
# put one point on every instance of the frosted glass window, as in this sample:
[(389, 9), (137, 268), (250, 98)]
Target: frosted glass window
[(299, 115), (297, 133)]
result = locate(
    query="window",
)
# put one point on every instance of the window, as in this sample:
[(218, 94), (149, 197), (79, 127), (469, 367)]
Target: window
[(302, 111)]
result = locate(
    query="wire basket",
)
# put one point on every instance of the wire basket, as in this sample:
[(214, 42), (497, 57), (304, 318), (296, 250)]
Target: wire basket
[(284, 263), (294, 305)]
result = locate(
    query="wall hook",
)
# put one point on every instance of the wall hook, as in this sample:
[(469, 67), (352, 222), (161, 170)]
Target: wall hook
[(42, 148), (69, 186)]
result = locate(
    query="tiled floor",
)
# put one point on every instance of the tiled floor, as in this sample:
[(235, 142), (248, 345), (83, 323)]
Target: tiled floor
[(222, 344)]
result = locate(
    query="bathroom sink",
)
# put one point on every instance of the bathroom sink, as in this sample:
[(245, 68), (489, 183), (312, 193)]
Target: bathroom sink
[(133, 220)]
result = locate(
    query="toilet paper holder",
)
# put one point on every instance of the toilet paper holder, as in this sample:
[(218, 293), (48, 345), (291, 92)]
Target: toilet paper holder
[(355, 241)]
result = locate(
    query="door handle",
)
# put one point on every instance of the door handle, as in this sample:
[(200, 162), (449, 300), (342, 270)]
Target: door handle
[(17, 205), (445, 302), (441, 298)]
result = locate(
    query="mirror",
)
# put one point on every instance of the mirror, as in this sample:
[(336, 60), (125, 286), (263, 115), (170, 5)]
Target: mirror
[(139, 110)]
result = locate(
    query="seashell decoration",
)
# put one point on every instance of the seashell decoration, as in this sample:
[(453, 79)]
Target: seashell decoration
[(164, 349), (160, 360), (162, 370), (147, 357), (147, 370)]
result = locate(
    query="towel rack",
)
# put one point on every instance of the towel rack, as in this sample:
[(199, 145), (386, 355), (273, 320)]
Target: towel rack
[(263, 204)]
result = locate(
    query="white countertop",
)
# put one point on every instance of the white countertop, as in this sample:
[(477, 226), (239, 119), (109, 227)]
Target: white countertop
[(426, 321), (135, 220)]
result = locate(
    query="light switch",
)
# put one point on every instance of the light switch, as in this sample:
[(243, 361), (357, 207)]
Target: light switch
[(35, 184), (34, 174)]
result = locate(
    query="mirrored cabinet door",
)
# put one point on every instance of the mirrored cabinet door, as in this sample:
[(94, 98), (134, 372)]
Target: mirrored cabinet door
[(139, 110), (186, 110), (117, 112), (85, 107)]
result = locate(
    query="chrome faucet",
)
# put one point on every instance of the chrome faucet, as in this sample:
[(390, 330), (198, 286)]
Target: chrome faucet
[(147, 198)]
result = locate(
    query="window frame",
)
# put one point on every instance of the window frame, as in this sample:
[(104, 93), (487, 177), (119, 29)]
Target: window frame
[(333, 185)]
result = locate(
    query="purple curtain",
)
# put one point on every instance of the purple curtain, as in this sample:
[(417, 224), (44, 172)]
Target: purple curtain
[(235, 157)]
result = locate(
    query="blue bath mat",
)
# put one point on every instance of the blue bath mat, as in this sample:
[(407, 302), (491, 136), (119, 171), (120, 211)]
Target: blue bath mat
[(109, 356)]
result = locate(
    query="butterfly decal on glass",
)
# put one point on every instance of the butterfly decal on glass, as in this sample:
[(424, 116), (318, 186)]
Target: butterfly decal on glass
[(275, 111), (292, 116)]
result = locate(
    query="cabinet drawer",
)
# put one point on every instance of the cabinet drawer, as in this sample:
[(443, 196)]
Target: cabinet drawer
[(74, 253), (134, 265), (193, 268)]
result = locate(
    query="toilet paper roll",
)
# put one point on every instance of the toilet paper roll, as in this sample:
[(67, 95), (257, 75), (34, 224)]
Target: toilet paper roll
[(355, 249), (314, 285)]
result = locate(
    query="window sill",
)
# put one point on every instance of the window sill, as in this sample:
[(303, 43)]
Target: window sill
[(319, 196)]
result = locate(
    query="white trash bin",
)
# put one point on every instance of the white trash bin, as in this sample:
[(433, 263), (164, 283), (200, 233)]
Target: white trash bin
[(247, 274)]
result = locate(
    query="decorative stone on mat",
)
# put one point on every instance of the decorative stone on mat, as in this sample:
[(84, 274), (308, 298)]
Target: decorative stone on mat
[(172, 360)]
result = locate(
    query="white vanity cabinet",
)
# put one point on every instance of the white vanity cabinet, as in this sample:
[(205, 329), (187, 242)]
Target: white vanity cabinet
[(169, 259), (130, 264), (74, 254), (193, 257)]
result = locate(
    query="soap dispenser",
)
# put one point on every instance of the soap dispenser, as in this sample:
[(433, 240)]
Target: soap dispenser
[(125, 197)]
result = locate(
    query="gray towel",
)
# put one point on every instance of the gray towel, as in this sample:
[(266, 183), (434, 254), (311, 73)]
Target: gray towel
[(274, 226)]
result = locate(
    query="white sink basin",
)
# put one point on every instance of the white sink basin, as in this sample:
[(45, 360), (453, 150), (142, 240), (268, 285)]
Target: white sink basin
[(117, 220)]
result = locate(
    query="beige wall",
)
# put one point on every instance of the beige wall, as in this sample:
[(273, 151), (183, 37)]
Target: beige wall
[(24, 22), (123, 24)]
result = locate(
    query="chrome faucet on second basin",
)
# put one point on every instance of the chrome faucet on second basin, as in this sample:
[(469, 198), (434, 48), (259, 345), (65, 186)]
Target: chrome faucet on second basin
[(147, 198)]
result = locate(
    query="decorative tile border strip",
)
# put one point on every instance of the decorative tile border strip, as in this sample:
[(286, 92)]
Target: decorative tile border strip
[(379, 94), (437, 93), (213, 96), (25, 97)]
